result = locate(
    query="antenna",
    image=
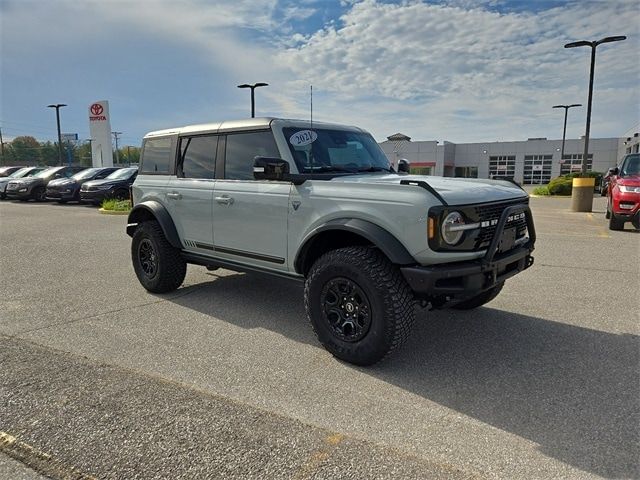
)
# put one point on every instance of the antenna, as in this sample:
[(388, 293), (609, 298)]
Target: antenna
[(311, 107)]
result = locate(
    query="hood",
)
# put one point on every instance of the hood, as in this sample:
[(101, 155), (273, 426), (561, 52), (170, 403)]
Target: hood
[(58, 182), (103, 181), (27, 180), (630, 180), (455, 191)]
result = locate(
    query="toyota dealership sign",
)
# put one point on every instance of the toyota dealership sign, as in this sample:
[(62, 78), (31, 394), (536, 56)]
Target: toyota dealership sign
[(100, 128)]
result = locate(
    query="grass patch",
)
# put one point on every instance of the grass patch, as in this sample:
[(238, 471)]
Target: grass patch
[(542, 190), (116, 205)]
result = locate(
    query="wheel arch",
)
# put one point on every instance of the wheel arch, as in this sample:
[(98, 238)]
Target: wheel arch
[(340, 233), (152, 210)]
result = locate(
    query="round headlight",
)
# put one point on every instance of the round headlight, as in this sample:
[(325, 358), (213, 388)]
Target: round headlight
[(450, 236)]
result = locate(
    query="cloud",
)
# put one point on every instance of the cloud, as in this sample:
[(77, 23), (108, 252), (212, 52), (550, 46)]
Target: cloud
[(428, 60)]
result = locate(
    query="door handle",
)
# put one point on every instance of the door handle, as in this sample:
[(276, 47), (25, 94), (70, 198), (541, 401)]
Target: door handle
[(225, 200), (174, 195)]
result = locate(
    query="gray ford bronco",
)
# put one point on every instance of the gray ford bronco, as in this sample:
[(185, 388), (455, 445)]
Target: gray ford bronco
[(321, 203)]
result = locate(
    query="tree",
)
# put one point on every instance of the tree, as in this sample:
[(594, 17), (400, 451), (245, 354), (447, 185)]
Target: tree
[(24, 150)]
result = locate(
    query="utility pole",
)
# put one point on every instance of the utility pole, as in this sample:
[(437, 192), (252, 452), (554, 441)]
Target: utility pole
[(1, 146), (115, 135), (128, 155)]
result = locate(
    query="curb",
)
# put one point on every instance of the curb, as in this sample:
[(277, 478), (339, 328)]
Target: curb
[(111, 212)]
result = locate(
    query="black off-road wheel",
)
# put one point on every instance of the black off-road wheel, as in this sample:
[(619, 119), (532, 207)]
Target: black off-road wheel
[(158, 264), (359, 305), (480, 299)]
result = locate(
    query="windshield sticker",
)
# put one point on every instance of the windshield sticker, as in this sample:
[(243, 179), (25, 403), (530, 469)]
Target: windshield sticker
[(303, 137)]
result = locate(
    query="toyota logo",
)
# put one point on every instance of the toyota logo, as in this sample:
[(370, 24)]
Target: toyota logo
[(96, 109)]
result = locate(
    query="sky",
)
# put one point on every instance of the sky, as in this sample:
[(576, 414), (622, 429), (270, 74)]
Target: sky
[(455, 70)]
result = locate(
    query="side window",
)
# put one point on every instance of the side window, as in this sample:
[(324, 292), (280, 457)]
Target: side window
[(242, 148), (198, 156), (156, 155), (103, 174)]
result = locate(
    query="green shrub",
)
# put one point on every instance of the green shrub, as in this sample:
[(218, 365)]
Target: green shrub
[(116, 205), (541, 190), (560, 185)]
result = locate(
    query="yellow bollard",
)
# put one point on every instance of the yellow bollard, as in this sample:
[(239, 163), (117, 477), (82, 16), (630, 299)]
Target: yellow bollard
[(582, 194)]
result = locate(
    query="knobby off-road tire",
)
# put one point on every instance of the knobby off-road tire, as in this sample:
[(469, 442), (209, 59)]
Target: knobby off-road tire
[(359, 305), (481, 299), (158, 266)]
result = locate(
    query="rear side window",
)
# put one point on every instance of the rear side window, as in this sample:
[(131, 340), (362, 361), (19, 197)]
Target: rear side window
[(198, 156), (156, 155), (242, 148)]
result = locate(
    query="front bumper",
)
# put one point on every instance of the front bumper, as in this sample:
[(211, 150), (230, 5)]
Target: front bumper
[(57, 195), (631, 203), (17, 195), (460, 280), (95, 196)]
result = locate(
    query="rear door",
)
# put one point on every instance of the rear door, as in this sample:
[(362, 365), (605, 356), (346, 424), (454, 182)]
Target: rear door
[(190, 192), (250, 216)]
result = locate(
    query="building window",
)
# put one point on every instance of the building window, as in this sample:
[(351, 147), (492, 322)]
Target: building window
[(466, 172), (573, 163), (502, 166), (537, 169), (421, 170)]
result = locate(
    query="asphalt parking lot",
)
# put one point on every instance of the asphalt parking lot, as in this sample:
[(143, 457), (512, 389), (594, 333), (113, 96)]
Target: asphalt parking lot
[(224, 378)]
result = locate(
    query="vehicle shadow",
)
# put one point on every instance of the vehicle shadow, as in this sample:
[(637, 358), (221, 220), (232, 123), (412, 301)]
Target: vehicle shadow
[(572, 390)]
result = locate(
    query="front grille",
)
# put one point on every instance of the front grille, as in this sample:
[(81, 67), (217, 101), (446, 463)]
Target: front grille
[(12, 186), (492, 214)]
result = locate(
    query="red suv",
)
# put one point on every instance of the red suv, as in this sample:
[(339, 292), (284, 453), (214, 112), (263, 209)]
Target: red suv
[(624, 193)]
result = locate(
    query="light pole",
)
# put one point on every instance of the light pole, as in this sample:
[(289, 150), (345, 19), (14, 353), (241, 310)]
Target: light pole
[(582, 188), (57, 106), (593, 45), (115, 135), (253, 99), (564, 131)]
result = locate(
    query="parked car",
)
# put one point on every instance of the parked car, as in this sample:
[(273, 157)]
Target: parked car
[(22, 173), (623, 196), (6, 171), (115, 185), (35, 187), (68, 189)]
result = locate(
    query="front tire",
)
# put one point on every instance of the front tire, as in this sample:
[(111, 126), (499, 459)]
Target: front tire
[(615, 223), (158, 265), (480, 299), (359, 305), (40, 194)]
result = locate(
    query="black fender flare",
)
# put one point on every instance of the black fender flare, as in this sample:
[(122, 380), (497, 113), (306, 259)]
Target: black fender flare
[(152, 209), (378, 236)]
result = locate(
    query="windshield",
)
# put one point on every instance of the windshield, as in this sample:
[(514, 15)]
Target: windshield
[(47, 173), (323, 150), (84, 174), (20, 173), (631, 166), (122, 173)]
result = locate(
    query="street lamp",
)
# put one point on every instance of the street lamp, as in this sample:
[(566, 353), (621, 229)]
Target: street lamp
[(582, 189), (57, 106), (253, 100), (564, 131), (593, 45)]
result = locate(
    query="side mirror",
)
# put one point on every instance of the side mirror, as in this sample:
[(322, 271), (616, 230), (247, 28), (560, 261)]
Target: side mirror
[(269, 168), (613, 171), (403, 166)]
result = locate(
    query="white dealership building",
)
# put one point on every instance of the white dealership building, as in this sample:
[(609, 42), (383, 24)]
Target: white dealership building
[(531, 161)]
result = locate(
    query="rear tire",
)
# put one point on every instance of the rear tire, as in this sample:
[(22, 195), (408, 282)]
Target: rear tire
[(158, 265), (481, 299), (359, 305)]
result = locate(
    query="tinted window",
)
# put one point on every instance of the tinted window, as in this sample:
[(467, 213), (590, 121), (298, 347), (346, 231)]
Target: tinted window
[(122, 173), (242, 148), (156, 155), (198, 156)]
